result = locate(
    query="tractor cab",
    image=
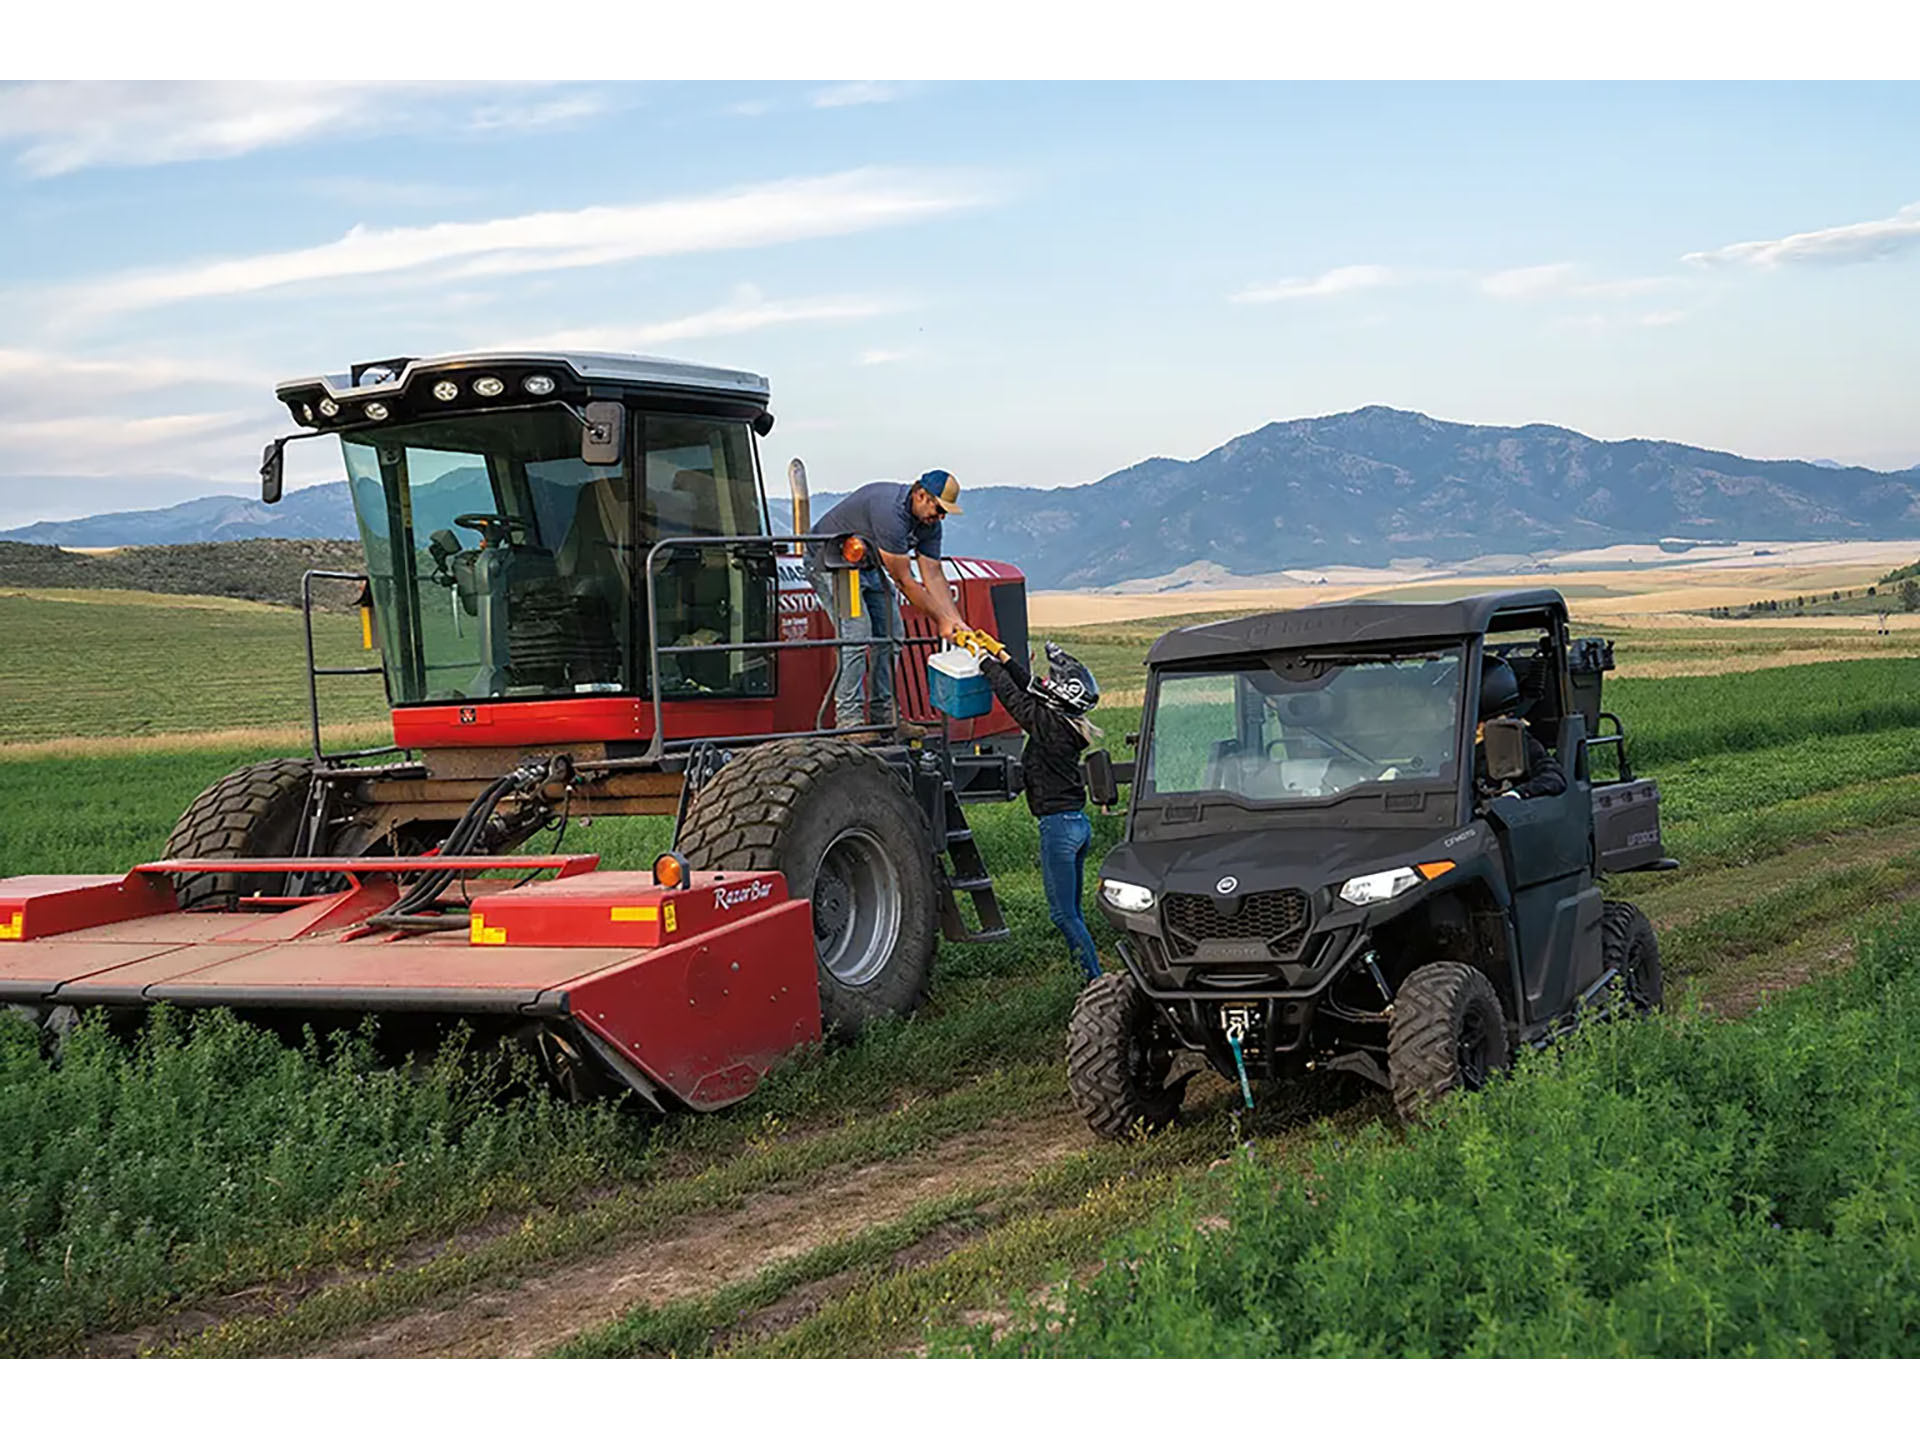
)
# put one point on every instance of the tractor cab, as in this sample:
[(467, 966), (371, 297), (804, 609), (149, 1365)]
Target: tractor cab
[(509, 506)]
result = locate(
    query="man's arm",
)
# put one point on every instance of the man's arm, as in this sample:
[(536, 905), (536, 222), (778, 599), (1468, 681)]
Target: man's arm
[(929, 597)]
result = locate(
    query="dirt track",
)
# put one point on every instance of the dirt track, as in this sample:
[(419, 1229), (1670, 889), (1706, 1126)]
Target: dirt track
[(715, 1249)]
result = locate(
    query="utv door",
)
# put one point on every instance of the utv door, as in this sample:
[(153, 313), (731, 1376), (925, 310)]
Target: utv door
[(1548, 842)]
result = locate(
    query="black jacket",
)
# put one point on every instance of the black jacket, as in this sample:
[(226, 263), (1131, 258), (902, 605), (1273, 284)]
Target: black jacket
[(1052, 756), (1544, 775)]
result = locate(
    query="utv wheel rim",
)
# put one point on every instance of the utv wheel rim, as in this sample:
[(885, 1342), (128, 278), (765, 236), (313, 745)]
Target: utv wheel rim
[(856, 907), (1473, 1050)]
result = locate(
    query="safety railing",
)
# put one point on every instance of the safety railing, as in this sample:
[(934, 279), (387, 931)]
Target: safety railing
[(315, 670), (659, 745)]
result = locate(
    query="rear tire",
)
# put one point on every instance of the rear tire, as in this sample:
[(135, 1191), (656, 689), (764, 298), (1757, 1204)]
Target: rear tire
[(1628, 945), (253, 813), (1117, 1061), (842, 826), (1447, 1033)]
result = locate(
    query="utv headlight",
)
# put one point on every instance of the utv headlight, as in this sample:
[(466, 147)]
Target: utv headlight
[(1122, 896), (1390, 884)]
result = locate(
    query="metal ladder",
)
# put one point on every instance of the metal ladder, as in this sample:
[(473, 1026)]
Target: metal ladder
[(964, 872)]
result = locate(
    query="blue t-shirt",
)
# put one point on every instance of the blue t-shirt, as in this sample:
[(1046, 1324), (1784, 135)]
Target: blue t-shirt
[(881, 513)]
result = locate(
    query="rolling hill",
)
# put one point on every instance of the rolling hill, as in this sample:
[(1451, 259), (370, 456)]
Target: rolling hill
[(1362, 487)]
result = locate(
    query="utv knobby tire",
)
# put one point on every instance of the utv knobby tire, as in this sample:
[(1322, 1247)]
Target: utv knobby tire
[(1117, 1063), (1629, 946), (251, 814), (844, 828), (1448, 1033)]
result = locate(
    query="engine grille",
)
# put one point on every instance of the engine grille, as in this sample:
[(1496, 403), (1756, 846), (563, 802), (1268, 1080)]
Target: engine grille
[(1278, 917)]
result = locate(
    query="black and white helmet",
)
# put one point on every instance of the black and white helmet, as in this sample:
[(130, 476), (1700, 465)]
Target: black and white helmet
[(1068, 686)]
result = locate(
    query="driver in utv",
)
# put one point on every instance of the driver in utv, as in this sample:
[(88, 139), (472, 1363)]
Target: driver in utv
[(1052, 709), (1499, 698)]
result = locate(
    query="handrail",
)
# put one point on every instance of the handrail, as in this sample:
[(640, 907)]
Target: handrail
[(657, 744), (315, 671)]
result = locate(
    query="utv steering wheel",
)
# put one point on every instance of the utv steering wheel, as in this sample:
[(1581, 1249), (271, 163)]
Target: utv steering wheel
[(494, 529)]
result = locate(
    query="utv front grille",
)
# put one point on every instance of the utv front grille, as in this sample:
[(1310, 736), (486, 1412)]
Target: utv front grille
[(1279, 918)]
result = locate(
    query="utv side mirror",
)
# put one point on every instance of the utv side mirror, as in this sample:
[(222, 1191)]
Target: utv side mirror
[(600, 436), (1506, 742), (1103, 786), (273, 466)]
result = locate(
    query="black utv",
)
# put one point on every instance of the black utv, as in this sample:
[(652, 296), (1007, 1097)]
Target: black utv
[(1366, 837)]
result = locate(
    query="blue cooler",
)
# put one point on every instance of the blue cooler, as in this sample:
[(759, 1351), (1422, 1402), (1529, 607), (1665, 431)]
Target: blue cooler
[(958, 688)]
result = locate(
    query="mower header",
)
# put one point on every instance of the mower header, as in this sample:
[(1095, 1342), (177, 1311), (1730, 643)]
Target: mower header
[(691, 992)]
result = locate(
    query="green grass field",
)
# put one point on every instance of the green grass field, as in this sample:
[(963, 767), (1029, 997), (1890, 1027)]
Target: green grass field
[(206, 1190), (86, 663)]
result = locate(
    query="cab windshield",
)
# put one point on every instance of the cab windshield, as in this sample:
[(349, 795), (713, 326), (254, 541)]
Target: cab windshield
[(1305, 727), (504, 566)]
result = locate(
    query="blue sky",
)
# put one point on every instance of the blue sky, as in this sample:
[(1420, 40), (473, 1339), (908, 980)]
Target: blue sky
[(1025, 284)]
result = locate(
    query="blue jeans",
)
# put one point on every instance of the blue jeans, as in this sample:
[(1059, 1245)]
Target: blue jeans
[(875, 622), (1064, 843)]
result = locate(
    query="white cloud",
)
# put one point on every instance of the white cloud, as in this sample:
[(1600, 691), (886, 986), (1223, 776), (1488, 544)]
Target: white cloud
[(857, 92), (1836, 245), (768, 214), (1662, 317), (74, 440), (1339, 281), (1539, 282), (361, 190), (1529, 281), (65, 125), (539, 114), (36, 383), (1628, 285), (883, 357), (748, 310)]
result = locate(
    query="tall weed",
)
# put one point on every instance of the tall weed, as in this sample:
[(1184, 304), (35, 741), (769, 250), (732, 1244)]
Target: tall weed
[(1674, 1187)]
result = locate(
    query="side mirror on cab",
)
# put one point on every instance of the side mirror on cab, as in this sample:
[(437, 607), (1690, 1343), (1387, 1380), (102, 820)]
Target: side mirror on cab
[(272, 472), (1103, 786), (601, 434), (1506, 748)]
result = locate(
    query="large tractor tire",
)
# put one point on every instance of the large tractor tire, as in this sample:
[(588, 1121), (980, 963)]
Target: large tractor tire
[(842, 826), (1117, 1061), (254, 813), (1447, 1033), (1628, 945)]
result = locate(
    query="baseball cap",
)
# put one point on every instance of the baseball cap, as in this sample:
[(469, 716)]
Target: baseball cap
[(943, 487)]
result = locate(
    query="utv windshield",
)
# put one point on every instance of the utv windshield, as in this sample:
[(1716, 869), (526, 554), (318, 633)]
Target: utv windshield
[(1304, 727), (504, 566)]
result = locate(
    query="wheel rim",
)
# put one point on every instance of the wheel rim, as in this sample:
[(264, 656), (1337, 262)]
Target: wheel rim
[(856, 907), (1639, 986), (1474, 1050)]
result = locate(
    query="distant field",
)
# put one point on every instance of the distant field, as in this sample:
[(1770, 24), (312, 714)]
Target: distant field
[(80, 666), (119, 663)]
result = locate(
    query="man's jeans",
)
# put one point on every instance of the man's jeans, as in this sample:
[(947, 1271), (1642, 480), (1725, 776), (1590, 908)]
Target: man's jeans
[(1064, 843), (874, 622)]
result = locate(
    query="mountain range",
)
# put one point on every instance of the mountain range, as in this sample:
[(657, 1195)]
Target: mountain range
[(1359, 488)]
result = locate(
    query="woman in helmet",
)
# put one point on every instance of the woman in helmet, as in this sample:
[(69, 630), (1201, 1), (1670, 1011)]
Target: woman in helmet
[(1499, 698), (1052, 709)]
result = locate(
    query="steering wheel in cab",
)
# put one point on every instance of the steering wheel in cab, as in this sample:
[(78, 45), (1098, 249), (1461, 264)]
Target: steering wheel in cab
[(494, 530)]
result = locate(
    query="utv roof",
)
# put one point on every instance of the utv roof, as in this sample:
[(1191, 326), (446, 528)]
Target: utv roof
[(1351, 622)]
